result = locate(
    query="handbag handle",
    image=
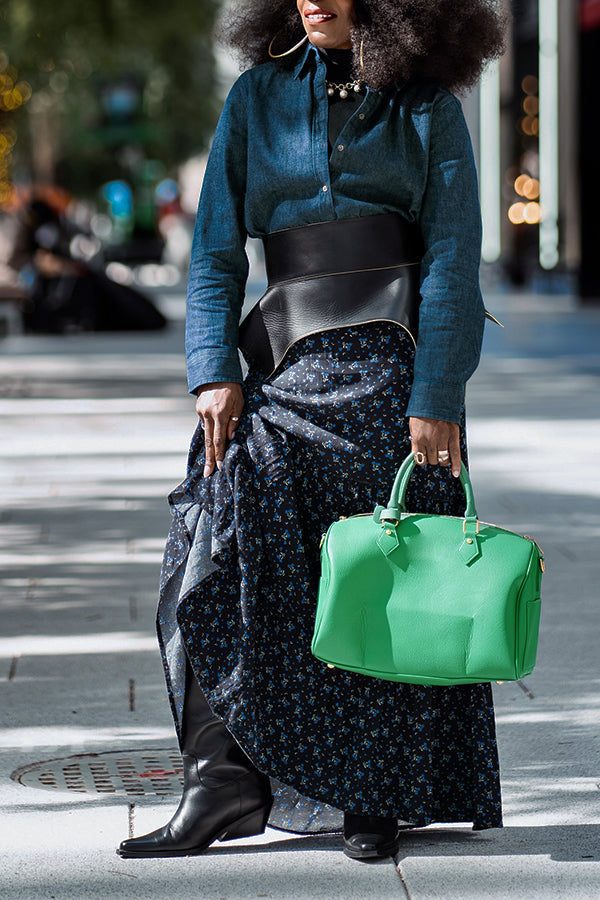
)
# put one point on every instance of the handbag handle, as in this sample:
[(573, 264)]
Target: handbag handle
[(397, 497)]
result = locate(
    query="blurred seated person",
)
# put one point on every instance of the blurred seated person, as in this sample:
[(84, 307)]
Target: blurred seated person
[(66, 294)]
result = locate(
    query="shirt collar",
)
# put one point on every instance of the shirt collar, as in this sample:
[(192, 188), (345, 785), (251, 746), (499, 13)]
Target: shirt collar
[(308, 59), (311, 57)]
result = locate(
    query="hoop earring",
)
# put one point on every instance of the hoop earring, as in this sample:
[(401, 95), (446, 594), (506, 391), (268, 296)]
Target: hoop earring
[(287, 52), (360, 56)]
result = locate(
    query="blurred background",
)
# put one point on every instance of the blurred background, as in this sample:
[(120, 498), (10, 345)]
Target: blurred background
[(535, 126), (107, 111)]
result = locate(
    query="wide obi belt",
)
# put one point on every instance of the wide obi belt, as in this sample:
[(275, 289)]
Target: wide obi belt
[(333, 275)]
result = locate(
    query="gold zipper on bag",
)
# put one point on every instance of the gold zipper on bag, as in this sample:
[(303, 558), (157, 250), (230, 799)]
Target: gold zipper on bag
[(527, 537)]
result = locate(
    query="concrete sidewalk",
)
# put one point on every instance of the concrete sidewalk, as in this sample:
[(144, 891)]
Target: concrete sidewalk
[(95, 432)]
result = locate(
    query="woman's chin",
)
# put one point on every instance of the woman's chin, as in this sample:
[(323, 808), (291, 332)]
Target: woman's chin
[(329, 42)]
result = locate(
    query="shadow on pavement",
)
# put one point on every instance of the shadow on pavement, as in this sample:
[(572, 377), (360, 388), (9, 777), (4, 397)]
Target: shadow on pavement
[(562, 843)]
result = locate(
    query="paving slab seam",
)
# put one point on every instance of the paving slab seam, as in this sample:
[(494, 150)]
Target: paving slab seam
[(407, 894)]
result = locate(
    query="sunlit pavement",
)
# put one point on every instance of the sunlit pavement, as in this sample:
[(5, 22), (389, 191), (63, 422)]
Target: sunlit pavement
[(94, 434)]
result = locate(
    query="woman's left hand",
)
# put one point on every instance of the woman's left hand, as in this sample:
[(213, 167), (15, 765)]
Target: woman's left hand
[(436, 443)]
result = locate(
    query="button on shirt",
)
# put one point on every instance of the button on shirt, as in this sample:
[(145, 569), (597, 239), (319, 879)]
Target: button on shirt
[(406, 151)]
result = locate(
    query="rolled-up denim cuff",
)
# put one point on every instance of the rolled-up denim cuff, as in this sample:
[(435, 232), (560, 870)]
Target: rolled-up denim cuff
[(206, 367), (437, 400)]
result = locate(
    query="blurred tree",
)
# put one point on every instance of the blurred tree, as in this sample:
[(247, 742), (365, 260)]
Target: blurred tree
[(14, 93), (113, 82)]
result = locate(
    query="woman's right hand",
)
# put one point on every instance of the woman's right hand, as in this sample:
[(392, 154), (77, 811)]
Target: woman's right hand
[(219, 406)]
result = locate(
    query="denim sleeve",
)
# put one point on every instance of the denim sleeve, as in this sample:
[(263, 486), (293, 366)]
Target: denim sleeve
[(451, 316), (219, 265)]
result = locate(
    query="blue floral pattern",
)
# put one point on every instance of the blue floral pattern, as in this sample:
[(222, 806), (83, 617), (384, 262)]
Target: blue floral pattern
[(321, 438)]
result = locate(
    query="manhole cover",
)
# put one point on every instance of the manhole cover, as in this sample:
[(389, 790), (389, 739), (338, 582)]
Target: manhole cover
[(134, 773)]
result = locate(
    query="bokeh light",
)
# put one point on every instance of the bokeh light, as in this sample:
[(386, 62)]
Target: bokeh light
[(531, 189), (531, 105), (527, 187), (516, 213), (530, 125), (530, 85), (532, 213), (525, 213)]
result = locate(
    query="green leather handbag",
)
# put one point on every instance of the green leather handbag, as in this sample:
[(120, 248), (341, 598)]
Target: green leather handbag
[(428, 599)]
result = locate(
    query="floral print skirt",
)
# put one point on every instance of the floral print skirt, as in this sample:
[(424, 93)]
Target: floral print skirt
[(320, 438)]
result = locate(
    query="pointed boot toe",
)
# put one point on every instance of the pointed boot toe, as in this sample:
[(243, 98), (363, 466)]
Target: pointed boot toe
[(225, 797), (225, 812), (164, 843), (157, 843)]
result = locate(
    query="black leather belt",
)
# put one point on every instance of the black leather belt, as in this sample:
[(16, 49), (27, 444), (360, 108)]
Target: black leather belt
[(333, 275)]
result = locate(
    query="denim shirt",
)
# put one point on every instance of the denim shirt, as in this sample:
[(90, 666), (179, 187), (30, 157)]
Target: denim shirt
[(406, 151)]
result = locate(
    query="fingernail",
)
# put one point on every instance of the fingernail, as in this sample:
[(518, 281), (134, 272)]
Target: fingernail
[(456, 473), (219, 465), (233, 435), (206, 471)]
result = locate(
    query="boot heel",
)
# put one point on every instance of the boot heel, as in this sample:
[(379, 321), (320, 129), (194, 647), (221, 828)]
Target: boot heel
[(253, 823)]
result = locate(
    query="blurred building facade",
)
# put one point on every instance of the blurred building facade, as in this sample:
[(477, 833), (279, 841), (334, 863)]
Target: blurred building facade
[(535, 126)]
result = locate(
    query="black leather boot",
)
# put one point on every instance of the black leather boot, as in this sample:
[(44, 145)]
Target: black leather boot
[(224, 795), (370, 837)]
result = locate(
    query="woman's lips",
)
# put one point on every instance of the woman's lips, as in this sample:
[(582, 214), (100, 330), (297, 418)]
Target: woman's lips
[(318, 15)]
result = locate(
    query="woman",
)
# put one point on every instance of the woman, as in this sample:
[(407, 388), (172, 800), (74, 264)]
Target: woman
[(343, 152)]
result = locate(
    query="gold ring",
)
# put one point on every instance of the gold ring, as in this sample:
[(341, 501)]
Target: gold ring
[(235, 418), (420, 458), (443, 456)]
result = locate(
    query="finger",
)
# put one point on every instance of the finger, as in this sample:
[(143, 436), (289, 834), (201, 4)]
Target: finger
[(232, 426), (209, 461), (424, 455), (443, 458), (454, 450), (420, 456), (220, 433)]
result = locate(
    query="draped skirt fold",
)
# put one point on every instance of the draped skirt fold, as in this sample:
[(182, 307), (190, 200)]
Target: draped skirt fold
[(319, 439)]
